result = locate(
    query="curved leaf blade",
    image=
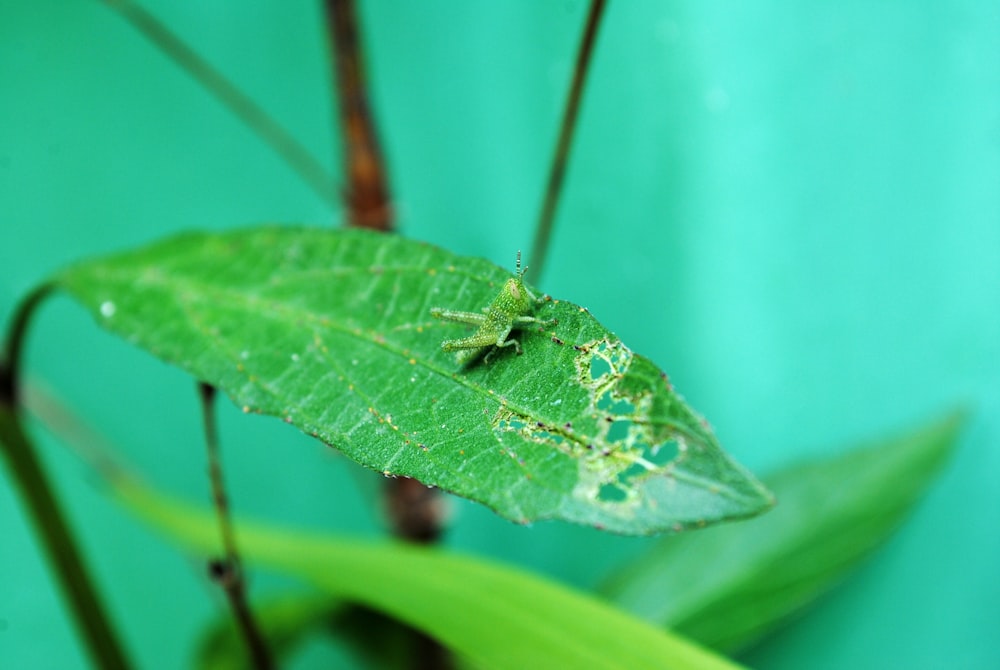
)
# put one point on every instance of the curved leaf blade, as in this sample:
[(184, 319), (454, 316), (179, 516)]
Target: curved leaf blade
[(496, 616), (331, 330), (729, 586)]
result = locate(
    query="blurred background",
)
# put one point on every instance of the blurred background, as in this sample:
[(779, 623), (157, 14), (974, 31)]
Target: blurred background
[(793, 210)]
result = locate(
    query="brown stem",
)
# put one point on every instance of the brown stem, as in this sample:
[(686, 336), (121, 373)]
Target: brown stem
[(12, 356), (50, 523), (367, 193), (546, 218), (228, 571), (59, 544), (415, 510), (413, 517)]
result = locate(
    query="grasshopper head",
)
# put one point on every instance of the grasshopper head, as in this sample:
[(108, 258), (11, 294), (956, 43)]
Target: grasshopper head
[(521, 294), (522, 298)]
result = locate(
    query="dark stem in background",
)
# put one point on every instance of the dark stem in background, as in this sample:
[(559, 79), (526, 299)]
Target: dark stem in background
[(546, 218), (415, 510), (367, 192), (50, 524), (236, 101), (228, 571)]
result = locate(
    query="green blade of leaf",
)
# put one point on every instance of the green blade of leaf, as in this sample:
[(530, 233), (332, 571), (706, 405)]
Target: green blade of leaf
[(332, 331), (496, 616), (728, 586)]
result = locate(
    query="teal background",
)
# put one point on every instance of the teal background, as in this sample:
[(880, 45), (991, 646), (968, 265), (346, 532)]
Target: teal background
[(793, 209)]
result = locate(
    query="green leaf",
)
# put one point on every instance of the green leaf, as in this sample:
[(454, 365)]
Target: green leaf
[(331, 330), (496, 616), (726, 587)]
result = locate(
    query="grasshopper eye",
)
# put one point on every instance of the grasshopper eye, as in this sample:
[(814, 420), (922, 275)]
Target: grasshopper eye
[(514, 290)]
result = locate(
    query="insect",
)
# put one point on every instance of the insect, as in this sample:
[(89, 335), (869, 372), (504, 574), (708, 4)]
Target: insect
[(512, 308)]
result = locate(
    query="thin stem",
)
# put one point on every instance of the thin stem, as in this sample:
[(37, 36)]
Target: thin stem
[(228, 571), (13, 350), (368, 200), (51, 526), (546, 217), (296, 156)]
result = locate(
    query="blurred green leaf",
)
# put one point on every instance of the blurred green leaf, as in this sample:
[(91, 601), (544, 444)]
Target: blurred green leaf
[(728, 586), (331, 330), (495, 616)]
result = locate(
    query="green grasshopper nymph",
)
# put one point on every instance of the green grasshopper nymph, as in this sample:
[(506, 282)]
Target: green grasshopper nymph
[(512, 308)]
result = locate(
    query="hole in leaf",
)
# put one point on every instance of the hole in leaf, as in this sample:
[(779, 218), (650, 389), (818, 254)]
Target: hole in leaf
[(599, 367), (609, 404), (611, 493), (649, 461), (545, 435), (663, 454), (633, 470), (618, 431)]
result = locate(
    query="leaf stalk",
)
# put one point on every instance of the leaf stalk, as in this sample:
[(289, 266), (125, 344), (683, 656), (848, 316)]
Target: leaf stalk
[(50, 523)]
